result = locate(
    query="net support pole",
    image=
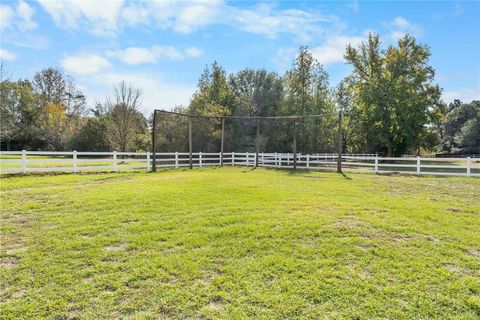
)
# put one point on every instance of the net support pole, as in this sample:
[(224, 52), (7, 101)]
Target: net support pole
[(339, 147), (222, 142), (190, 141), (294, 143), (257, 143), (154, 134)]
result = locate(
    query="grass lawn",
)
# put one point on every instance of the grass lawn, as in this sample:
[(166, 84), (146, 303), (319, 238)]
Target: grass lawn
[(235, 243)]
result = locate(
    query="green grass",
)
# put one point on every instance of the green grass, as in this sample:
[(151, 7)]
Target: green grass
[(45, 162), (237, 243)]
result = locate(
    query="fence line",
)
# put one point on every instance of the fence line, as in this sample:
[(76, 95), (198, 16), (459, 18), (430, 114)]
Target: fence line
[(73, 161)]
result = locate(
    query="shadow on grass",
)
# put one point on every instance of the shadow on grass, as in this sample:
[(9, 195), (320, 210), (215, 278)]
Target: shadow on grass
[(58, 173)]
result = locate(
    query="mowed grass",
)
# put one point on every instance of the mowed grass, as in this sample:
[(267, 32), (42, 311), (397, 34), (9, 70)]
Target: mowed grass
[(234, 243)]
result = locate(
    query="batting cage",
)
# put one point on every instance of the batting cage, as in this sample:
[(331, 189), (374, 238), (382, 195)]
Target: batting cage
[(186, 140)]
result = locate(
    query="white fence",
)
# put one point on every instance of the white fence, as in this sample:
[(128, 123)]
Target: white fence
[(37, 161)]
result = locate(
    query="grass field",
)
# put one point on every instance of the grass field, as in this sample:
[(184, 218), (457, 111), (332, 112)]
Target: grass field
[(233, 243)]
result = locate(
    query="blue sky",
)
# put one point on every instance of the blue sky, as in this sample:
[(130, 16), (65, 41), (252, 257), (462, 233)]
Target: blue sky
[(163, 46)]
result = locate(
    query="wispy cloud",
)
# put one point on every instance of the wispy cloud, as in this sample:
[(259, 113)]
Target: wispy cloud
[(400, 26), (101, 18), (138, 55), (334, 48), (465, 95), (6, 16), (107, 18), (267, 20), (17, 16), (354, 5), (331, 51), (25, 16), (7, 55), (457, 9), (18, 19), (85, 64)]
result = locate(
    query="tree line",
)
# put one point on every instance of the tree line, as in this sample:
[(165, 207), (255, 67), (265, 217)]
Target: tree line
[(390, 101)]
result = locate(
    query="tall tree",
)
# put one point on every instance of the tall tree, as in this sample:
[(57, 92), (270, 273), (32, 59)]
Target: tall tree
[(394, 93), (307, 92), (214, 98), (62, 106), (256, 93), (125, 121)]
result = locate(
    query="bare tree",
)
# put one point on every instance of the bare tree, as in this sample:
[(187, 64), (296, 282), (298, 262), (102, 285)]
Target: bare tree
[(125, 119)]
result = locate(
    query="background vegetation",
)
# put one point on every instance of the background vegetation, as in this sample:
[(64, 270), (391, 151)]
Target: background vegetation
[(391, 102)]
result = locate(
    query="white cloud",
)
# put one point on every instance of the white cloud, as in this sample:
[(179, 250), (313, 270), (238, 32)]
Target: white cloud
[(134, 55), (332, 51), (6, 16), (135, 14), (85, 64), (266, 20), (465, 95), (137, 55), (100, 17), (334, 48), (21, 17), (354, 6), (7, 55), (107, 18), (27, 40), (400, 27), (194, 16), (25, 15), (193, 52)]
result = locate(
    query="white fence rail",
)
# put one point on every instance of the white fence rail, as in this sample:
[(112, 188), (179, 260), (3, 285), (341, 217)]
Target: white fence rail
[(73, 161)]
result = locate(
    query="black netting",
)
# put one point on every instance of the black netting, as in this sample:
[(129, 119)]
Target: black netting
[(313, 134)]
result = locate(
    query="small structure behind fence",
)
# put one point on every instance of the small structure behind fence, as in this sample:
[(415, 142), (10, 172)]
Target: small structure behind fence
[(73, 161)]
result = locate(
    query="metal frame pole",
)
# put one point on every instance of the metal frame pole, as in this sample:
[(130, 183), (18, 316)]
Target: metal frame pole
[(339, 150), (257, 143), (222, 142), (154, 149), (190, 141), (294, 143)]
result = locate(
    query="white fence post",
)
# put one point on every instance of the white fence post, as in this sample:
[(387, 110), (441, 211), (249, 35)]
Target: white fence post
[(75, 168), (308, 160), (24, 161), (262, 159), (115, 168), (200, 159), (148, 161), (468, 166), (233, 158), (248, 159), (418, 165), (176, 159), (276, 160), (376, 164)]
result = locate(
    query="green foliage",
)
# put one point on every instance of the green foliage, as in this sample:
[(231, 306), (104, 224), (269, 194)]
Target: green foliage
[(462, 128), (91, 136), (19, 116), (390, 102), (393, 92)]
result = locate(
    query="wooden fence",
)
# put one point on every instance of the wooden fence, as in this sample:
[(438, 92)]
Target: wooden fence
[(72, 161)]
